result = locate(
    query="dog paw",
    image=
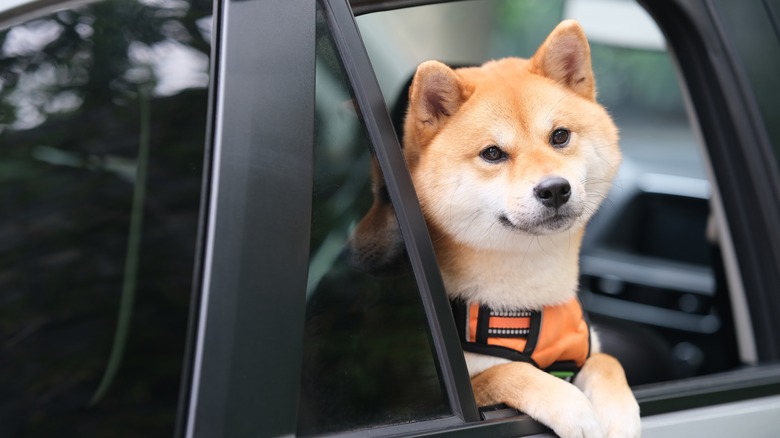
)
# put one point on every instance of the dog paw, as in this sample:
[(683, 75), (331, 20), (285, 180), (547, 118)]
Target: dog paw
[(603, 381), (547, 399), (575, 424), (569, 414), (619, 416)]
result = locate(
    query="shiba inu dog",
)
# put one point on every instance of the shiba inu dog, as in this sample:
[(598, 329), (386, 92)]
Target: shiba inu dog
[(510, 160)]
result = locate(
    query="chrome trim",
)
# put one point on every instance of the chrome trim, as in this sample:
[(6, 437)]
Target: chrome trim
[(216, 155)]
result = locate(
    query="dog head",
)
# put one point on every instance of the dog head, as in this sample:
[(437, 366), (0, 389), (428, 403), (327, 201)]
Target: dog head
[(497, 153), (511, 149)]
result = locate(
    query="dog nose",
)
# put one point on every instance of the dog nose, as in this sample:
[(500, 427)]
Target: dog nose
[(553, 191)]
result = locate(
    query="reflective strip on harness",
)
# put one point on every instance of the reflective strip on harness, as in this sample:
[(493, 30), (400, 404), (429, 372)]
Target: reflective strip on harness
[(555, 335)]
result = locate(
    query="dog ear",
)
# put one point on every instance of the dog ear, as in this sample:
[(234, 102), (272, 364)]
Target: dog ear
[(565, 57), (435, 95)]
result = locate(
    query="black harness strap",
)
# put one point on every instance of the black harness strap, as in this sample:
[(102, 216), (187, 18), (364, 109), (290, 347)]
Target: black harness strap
[(460, 311)]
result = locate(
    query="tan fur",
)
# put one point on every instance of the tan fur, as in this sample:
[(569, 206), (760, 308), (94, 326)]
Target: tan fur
[(496, 241), (508, 103)]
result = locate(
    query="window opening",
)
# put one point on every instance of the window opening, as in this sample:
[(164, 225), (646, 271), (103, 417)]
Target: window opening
[(654, 224)]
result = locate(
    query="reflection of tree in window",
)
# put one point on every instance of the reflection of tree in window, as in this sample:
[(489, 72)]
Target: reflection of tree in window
[(82, 90)]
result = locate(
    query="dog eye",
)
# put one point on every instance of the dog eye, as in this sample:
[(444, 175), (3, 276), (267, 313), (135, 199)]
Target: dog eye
[(493, 154), (560, 137)]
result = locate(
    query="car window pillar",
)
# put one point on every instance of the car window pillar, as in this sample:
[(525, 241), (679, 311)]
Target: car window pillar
[(254, 261)]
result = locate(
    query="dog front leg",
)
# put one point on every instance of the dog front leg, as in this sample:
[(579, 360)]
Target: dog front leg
[(553, 402), (603, 381)]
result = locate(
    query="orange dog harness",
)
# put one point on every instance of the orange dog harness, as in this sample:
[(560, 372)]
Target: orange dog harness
[(555, 339)]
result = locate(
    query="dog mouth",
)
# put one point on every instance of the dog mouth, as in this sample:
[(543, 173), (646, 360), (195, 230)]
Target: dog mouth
[(550, 223)]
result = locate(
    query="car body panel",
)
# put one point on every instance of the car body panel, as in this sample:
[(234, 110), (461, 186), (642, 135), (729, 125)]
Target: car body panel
[(240, 277), (755, 417)]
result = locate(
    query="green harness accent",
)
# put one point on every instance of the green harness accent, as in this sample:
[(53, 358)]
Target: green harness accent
[(565, 375)]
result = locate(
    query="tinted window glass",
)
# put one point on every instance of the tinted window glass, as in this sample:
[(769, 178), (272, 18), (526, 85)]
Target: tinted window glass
[(102, 130), (367, 356)]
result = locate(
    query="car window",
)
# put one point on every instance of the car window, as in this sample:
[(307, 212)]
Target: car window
[(368, 360), (102, 132), (648, 266)]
